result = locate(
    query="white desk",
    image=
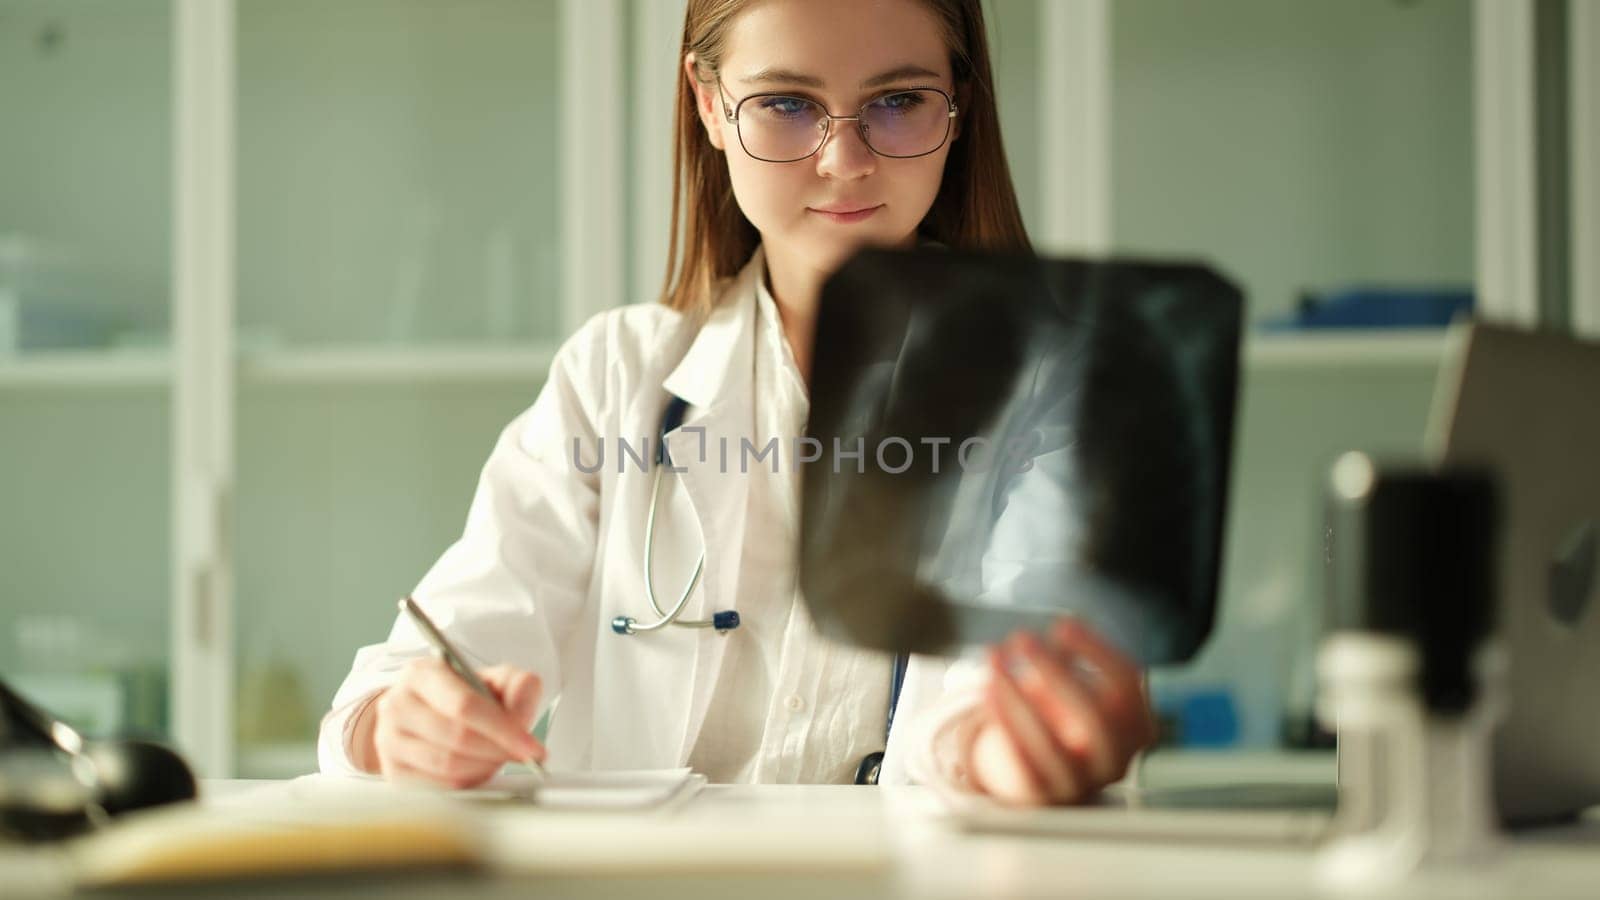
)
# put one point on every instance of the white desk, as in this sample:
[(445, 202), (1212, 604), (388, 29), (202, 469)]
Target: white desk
[(921, 856)]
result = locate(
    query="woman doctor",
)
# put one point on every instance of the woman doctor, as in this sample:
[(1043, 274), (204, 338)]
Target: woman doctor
[(805, 130)]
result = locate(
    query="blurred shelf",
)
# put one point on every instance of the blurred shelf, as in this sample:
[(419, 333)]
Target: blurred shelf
[(530, 361), (436, 363), (1421, 348), (330, 365), (86, 369)]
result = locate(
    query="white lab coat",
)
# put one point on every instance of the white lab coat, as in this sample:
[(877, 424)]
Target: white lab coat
[(551, 554)]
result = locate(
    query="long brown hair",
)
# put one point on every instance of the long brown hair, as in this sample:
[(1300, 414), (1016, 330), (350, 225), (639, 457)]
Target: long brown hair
[(976, 207)]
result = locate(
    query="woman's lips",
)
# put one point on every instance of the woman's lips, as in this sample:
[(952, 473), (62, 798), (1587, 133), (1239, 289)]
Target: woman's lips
[(845, 217)]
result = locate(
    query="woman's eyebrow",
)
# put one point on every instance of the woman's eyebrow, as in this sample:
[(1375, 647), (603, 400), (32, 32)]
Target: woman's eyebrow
[(790, 76), (899, 74)]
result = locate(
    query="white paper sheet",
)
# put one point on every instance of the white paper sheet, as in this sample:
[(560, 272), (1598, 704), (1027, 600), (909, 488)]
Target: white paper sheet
[(613, 790)]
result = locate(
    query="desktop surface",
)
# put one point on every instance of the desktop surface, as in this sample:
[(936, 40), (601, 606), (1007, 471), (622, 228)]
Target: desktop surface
[(780, 841)]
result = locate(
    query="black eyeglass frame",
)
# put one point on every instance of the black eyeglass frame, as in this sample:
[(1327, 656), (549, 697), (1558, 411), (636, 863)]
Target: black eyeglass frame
[(732, 115)]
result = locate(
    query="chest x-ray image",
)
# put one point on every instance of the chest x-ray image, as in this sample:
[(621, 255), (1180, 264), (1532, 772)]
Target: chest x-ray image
[(998, 441)]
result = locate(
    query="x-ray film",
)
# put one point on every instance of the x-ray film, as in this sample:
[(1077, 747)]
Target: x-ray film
[(999, 441)]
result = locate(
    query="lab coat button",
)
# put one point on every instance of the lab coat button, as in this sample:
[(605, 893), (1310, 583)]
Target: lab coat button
[(794, 703)]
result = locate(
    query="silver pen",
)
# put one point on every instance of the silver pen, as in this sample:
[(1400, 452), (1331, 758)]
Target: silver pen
[(446, 652)]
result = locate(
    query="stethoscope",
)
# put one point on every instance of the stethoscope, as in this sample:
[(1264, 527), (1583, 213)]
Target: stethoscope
[(725, 620)]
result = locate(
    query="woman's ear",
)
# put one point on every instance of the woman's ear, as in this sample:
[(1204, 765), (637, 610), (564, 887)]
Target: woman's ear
[(963, 97), (707, 101)]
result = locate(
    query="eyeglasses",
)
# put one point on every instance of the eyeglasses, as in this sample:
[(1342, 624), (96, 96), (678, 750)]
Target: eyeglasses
[(783, 128)]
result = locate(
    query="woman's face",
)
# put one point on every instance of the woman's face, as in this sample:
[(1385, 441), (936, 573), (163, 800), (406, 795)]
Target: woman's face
[(838, 53)]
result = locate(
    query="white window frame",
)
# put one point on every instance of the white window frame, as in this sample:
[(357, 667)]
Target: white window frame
[(1075, 127), (658, 25), (1585, 177), (592, 175), (201, 688), (1507, 189)]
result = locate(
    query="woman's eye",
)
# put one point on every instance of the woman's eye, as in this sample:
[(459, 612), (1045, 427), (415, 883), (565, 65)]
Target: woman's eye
[(784, 106), (902, 101)]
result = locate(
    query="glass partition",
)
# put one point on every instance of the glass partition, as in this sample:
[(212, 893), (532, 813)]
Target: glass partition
[(85, 394), (399, 298)]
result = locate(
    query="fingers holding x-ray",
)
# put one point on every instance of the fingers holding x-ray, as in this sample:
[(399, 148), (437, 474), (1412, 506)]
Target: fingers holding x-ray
[(1054, 725), (1047, 764)]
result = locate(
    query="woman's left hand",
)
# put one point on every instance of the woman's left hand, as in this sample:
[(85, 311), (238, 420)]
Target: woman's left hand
[(1061, 718)]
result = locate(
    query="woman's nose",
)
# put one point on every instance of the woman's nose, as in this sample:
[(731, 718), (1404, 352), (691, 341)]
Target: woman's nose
[(843, 154)]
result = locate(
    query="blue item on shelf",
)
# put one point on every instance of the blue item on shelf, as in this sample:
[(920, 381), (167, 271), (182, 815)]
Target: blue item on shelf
[(40, 323), (1200, 716), (1209, 720), (1373, 307)]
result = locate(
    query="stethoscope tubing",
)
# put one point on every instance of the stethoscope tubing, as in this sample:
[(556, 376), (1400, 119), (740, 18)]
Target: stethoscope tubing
[(672, 617), (625, 625), (723, 622)]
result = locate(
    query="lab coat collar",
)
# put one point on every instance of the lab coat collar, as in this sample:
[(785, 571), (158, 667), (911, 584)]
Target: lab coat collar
[(703, 376)]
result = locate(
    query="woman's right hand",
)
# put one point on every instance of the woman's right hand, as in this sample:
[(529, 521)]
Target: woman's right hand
[(1063, 717), (431, 726)]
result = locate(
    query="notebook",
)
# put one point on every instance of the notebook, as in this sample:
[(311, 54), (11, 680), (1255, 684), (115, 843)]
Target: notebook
[(322, 823), (272, 832)]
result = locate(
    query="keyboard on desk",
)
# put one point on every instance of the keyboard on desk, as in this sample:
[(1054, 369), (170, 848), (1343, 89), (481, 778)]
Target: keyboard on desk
[(1289, 813)]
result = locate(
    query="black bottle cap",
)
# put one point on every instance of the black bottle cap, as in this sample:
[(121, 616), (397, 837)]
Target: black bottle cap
[(1412, 554)]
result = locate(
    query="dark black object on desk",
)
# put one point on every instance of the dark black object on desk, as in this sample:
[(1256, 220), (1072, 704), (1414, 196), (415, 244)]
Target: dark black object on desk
[(1412, 671), (54, 784), (1413, 554)]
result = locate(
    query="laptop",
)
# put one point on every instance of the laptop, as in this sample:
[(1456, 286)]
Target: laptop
[(1525, 403)]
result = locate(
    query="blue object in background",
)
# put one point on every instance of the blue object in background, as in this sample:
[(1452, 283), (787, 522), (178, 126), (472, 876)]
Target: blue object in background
[(1376, 307), (37, 323), (1208, 719), (1199, 717)]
